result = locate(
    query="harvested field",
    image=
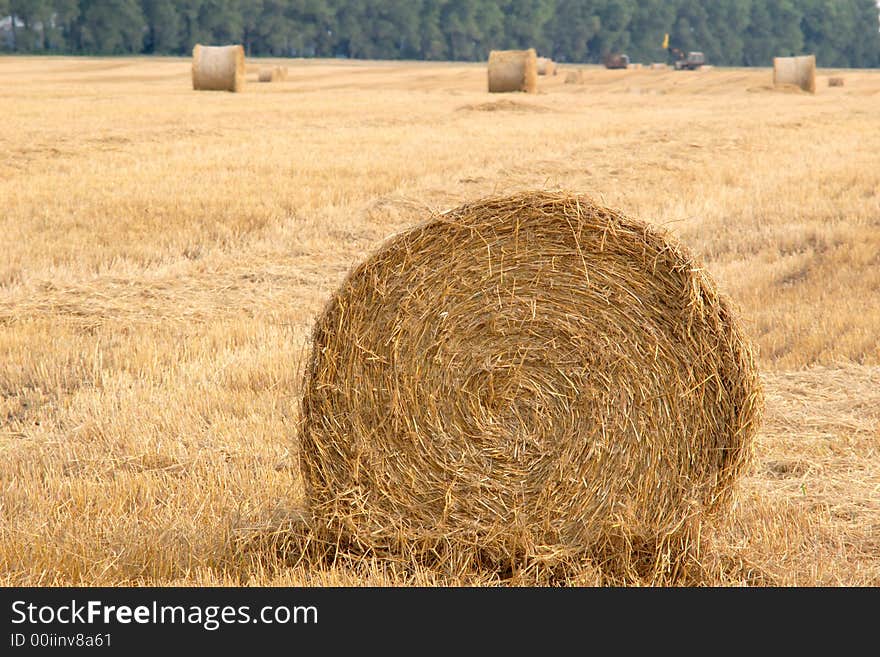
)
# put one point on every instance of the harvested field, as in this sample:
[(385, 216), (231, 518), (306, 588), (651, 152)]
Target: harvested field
[(160, 278)]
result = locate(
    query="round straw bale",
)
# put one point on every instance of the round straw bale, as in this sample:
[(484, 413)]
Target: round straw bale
[(218, 68), (524, 376), (799, 71), (835, 82), (513, 70), (574, 77), (546, 66), (269, 75)]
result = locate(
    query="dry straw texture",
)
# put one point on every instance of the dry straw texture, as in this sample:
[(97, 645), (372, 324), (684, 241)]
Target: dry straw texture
[(798, 71), (218, 68), (531, 381), (513, 70)]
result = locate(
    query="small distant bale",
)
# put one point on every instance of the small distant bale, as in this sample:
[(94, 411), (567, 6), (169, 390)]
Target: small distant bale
[(218, 68), (274, 74), (546, 66), (797, 71), (574, 77), (634, 66), (835, 82), (513, 70), (658, 66)]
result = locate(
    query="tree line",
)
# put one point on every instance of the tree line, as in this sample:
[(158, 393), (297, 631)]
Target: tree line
[(842, 33)]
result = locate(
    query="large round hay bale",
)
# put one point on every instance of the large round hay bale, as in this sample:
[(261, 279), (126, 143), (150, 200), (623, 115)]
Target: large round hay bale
[(513, 70), (218, 68), (527, 376), (798, 71)]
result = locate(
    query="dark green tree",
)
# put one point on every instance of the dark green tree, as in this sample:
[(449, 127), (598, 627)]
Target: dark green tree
[(163, 26), (463, 34), (573, 26), (729, 32), (729, 21), (432, 40), (221, 21), (112, 26), (526, 24), (613, 35), (864, 47), (651, 20), (785, 17)]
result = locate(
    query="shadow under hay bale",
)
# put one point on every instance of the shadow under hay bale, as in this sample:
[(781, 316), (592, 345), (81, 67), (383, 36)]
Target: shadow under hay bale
[(504, 105), (528, 382), (218, 68), (513, 70), (798, 71)]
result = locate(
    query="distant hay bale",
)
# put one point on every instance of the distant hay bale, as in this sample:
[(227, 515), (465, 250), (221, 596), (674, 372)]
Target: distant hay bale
[(658, 66), (634, 66), (274, 74), (835, 82), (574, 77), (799, 71), (513, 70), (546, 66), (218, 68), (527, 378)]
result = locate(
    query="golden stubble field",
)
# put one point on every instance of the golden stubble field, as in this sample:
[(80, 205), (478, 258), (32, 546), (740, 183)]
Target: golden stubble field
[(164, 252)]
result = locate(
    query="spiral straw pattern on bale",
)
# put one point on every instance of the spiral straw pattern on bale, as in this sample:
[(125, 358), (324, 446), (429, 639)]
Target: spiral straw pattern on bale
[(513, 70), (218, 68), (527, 377)]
